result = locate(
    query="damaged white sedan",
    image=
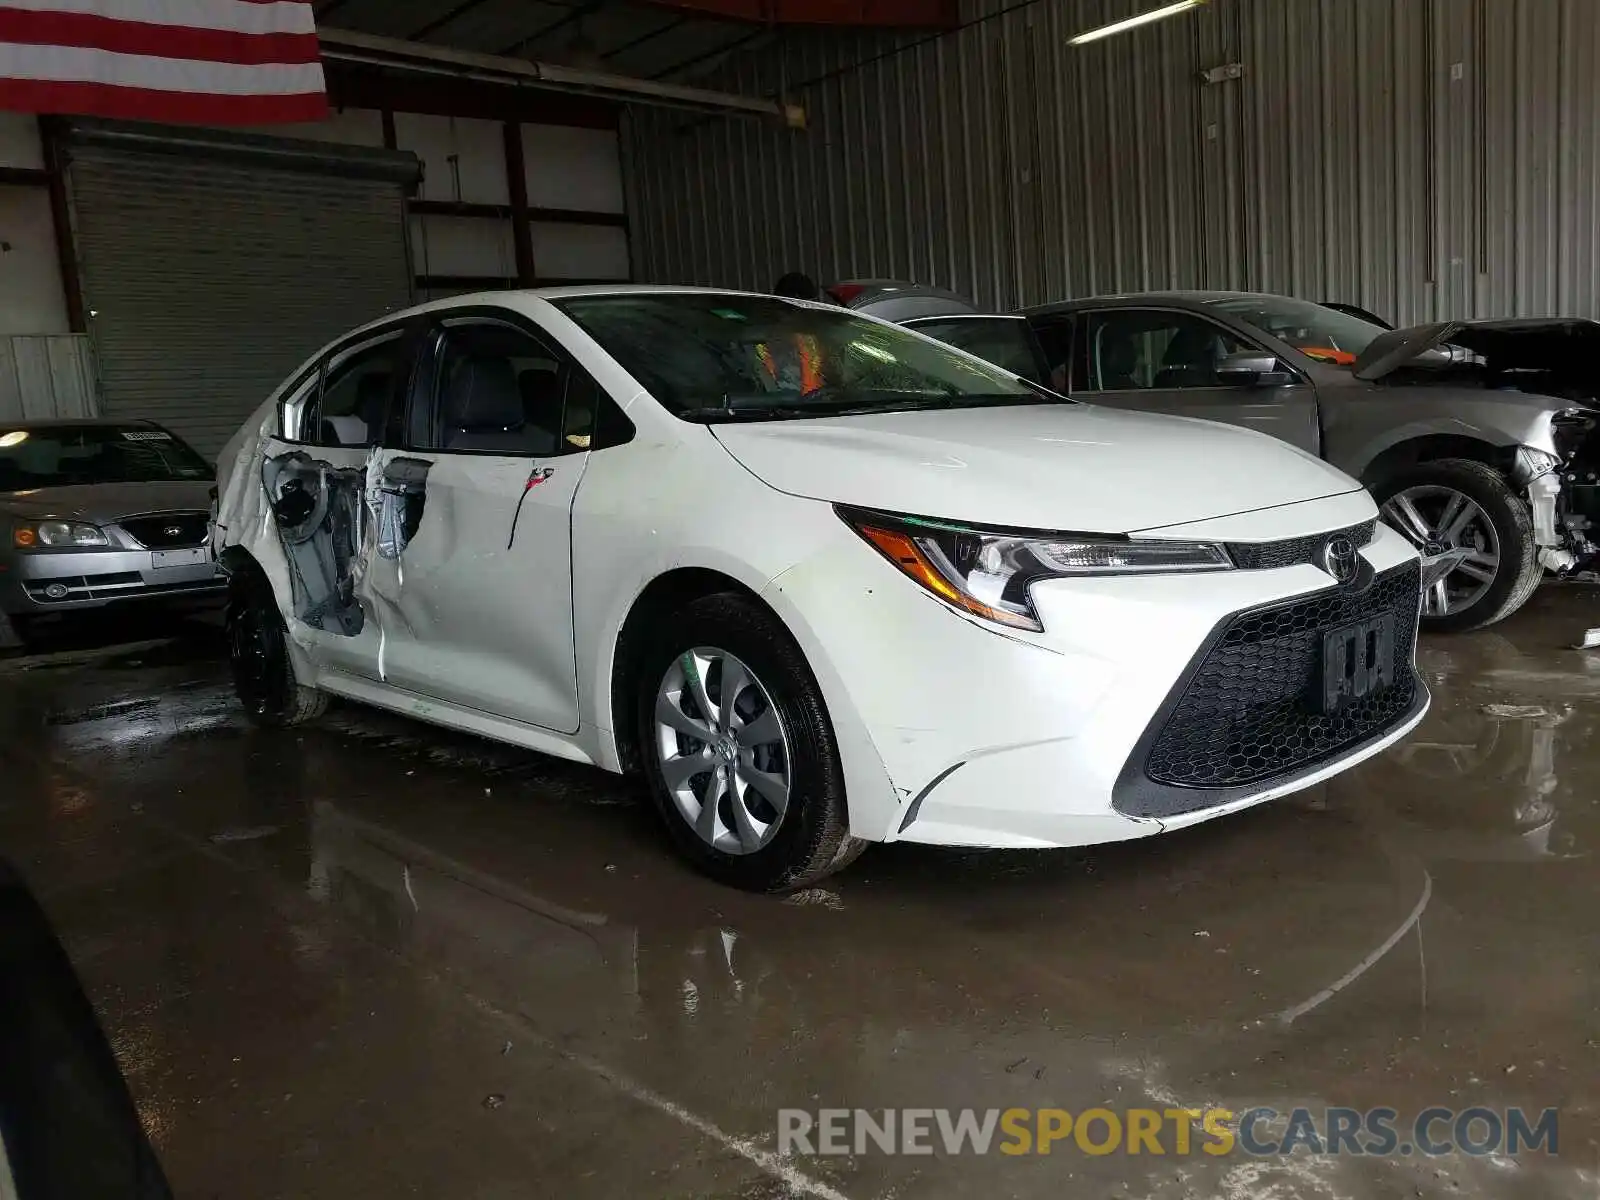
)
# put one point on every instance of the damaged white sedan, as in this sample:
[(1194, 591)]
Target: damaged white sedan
[(824, 581)]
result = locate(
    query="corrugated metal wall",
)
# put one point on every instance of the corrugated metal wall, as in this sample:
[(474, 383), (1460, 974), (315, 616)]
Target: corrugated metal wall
[(46, 375), (1418, 157)]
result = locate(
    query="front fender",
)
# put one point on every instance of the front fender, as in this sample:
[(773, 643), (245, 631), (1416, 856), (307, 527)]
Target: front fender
[(1363, 422), (1355, 458)]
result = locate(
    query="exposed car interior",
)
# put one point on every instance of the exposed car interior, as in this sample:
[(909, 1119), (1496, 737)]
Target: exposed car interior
[(1139, 350)]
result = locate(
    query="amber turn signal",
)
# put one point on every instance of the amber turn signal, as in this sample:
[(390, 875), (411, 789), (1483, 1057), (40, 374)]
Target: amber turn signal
[(903, 552)]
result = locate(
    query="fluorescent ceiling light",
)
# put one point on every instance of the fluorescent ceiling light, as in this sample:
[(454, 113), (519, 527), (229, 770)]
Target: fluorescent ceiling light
[(1155, 14)]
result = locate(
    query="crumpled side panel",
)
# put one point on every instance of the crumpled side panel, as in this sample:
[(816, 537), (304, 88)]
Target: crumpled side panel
[(314, 527), (402, 496), (320, 515), (243, 518)]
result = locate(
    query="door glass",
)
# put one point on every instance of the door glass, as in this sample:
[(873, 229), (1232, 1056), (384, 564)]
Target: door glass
[(1055, 340), (499, 391), (297, 409), (1132, 349), (1002, 341), (356, 391), (593, 421)]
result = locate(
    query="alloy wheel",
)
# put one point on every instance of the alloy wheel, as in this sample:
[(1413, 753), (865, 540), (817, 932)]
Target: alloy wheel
[(1438, 519), (723, 750)]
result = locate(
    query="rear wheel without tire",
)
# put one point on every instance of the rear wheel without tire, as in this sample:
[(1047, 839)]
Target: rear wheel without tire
[(1459, 504), (739, 750), (263, 674)]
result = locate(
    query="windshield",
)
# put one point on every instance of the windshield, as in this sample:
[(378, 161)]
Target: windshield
[(57, 455), (1003, 341), (728, 357), (1317, 332)]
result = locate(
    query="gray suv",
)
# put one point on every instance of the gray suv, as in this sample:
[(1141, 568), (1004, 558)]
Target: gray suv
[(1474, 436)]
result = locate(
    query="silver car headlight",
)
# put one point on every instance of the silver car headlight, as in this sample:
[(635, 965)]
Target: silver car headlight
[(990, 573), (58, 535)]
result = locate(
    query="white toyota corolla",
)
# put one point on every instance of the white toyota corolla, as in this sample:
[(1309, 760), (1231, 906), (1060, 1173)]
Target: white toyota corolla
[(825, 581)]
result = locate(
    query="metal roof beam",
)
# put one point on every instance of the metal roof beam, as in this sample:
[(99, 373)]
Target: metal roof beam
[(342, 45), (879, 14)]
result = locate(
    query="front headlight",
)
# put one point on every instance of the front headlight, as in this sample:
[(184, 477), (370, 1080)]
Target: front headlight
[(57, 535), (989, 573)]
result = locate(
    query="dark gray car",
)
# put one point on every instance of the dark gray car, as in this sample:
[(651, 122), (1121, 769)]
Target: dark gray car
[(99, 512), (1474, 436), (1004, 339)]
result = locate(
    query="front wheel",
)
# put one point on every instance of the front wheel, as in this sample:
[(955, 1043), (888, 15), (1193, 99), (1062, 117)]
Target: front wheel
[(24, 628), (258, 652), (1459, 504), (738, 748)]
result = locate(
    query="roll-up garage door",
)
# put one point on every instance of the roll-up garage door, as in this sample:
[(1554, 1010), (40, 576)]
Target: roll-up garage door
[(212, 264)]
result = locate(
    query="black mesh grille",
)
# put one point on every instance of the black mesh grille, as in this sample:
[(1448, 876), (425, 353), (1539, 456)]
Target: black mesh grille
[(1264, 556), (167, 531), (1250, 711)]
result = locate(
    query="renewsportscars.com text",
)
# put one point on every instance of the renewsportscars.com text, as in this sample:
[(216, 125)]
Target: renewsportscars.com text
[(1257, 1131)]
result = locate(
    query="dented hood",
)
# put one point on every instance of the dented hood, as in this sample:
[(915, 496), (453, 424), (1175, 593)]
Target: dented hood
[(1568, 346), (1039, 466)]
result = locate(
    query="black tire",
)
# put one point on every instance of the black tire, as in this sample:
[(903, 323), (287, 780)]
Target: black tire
[(25, 628), (813, 837), (263, 674), (1519, 573)]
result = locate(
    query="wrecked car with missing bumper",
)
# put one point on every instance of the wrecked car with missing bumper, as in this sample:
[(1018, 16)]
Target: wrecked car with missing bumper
[(823, 580), (1542, 379), (1475, 437)]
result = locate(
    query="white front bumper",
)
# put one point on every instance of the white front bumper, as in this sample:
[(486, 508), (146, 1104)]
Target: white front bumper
[(985, 738)]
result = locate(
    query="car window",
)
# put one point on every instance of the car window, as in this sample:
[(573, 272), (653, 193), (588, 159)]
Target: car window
[(1319, 332), (358, 386), (45, 456), (1004, 341), (1054, 335), (498, 388), (717, 356), (1132, 349), (592, 420)]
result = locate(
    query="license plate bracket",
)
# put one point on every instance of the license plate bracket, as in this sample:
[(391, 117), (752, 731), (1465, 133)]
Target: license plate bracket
[(1357, 661), (163, 559)]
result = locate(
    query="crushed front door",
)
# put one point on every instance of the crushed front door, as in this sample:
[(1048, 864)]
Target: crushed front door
[(322, 502)]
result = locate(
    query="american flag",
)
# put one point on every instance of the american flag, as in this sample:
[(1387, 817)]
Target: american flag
[(217, 62)]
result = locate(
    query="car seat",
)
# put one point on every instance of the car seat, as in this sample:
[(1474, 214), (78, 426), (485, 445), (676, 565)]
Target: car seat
[(1191, 359), (1118, 359), (483, 407), (361, 427)]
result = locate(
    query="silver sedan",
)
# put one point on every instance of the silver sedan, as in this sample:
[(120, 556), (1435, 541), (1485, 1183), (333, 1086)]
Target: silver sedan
[(96, 512)]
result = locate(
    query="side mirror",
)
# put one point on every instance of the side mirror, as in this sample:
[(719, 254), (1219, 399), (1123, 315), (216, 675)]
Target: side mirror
[(1252, 369)]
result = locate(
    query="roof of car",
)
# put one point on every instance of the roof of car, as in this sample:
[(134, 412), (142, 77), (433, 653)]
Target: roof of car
[(624, 289), (1119, 299), (511, 296)]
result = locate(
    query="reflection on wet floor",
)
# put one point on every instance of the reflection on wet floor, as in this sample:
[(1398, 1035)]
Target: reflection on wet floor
[(373, 957)]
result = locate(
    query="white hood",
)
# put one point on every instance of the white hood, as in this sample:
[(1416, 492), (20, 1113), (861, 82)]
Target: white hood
[(1073, 467)]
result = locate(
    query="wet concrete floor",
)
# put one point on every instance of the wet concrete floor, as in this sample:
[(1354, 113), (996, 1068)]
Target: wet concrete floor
[(371, 958)]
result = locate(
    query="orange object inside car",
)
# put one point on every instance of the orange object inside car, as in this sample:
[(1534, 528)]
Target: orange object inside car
[(1340, 358)]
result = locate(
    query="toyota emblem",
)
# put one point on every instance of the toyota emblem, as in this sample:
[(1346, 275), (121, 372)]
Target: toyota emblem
[(173, 531), (1338, 558)]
